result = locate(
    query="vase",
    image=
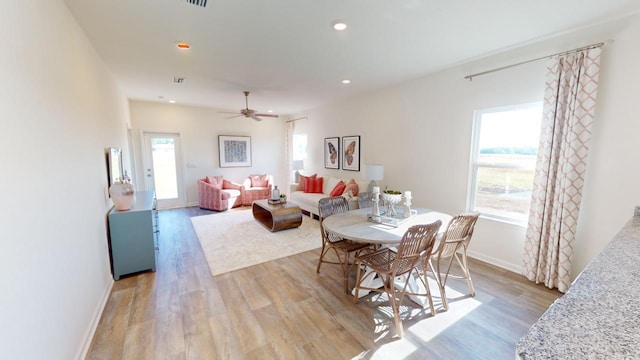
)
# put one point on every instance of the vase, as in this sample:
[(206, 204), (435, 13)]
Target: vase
[(122, 195), (391, 200)]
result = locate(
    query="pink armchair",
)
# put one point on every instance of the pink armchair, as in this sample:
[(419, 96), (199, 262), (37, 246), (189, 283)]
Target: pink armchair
[(256, 187), (216, 193)]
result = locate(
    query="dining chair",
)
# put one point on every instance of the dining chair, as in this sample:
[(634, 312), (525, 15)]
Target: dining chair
[(343, 248), (364, 200), (417, 243), (453, 244)]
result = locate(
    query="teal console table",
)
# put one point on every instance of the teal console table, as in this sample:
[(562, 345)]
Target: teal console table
[(133, 236)]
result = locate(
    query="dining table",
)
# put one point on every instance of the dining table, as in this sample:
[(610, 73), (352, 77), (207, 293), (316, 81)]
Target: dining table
[(358, 225)]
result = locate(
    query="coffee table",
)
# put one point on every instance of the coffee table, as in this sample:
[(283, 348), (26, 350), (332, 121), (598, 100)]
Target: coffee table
[(278, 216)]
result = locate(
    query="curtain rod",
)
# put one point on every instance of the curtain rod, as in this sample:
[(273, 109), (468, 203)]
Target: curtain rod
[(592, 46), (300, 118)]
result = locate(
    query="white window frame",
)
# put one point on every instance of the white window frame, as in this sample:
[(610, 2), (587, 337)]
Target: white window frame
[(475, 165)]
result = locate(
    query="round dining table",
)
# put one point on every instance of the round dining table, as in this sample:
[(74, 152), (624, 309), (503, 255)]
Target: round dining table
[(355, 225)]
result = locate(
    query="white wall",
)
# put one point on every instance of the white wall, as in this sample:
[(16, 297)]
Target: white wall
[(421, 131), (199, 129), (60, 110)]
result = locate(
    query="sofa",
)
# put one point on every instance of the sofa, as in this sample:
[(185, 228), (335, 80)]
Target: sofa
[(217, 193), (307, 199)]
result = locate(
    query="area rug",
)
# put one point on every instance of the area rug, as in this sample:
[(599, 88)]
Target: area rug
[(234, 240)]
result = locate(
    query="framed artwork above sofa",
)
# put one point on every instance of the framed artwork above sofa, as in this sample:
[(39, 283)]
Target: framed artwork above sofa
[(351, 153), (331, 153)]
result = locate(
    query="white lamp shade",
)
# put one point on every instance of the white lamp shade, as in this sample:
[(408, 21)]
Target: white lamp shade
[(297, 165), (373, 172)]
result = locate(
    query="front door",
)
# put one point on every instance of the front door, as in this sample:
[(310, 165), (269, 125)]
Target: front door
[(163, 168)]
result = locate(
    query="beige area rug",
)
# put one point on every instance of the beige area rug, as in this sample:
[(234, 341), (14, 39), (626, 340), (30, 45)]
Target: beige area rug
[(234, 240)]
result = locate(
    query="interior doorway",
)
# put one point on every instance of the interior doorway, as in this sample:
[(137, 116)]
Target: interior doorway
[(163, 168)]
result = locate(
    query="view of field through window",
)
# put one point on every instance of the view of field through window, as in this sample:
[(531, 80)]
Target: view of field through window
[(504, 160)]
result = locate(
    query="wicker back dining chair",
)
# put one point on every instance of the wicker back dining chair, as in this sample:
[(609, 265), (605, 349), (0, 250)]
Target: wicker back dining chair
[(416, 244), (453, 244), (343, 248)]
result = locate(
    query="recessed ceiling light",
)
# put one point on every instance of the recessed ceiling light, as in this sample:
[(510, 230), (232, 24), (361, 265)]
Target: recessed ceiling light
[(269, 111), (346, 81), (183, 45), (339, 25), (172, 101)]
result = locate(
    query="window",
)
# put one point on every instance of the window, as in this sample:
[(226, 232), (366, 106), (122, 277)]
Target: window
[(299, 142), (503, 158), (299, 147)]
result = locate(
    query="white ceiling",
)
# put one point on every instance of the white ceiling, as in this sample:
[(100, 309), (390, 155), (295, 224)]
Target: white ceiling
[(286, 53)]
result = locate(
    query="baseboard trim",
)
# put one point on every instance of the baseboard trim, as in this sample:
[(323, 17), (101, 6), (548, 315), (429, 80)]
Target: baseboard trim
[(91, 332), (496, 262)]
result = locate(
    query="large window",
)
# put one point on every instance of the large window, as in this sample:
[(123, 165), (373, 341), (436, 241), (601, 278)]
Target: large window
[(503, 157)]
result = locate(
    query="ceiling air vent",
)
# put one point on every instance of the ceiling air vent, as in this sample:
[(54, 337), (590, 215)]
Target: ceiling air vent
[(178, 80), (202, 3)]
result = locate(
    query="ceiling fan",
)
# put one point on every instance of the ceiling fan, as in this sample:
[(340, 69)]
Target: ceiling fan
[(249, 113)]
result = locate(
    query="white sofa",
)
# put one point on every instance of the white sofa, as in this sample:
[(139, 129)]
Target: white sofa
[(309, 201)]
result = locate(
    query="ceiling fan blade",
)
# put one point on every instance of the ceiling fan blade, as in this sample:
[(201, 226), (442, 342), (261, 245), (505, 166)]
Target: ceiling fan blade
[(267, 115), (234, 116), (254, 117)]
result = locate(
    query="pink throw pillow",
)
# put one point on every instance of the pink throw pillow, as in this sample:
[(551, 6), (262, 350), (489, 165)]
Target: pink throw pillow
[(352, 186), (215, 181), (259, 180), (313, 185), (338, 189)]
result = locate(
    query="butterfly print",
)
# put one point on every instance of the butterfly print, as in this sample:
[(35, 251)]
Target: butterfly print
[(333, 153), (349, 151)]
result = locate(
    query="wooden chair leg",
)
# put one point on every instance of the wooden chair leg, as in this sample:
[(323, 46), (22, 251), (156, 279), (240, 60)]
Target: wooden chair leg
[(467, 275), (390, 290), (439, 282), (345, 272), (426, 285), (323, 252)]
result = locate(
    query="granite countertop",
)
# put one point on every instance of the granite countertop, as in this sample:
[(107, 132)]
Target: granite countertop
[(599, 317)]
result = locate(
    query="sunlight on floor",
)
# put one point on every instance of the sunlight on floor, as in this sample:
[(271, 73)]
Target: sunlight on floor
[(425, 330), (429, 328)]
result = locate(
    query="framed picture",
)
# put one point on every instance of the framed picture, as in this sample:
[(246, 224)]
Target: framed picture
[(351, 153), (235, 151), (332, 153)]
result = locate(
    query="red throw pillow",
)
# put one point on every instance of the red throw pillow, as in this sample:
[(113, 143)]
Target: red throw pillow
[(338, 189), (303, 180), (352, 186), (313, 185)]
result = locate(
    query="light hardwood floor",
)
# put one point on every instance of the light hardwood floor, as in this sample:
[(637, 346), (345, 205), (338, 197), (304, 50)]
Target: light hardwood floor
[(284, 310)]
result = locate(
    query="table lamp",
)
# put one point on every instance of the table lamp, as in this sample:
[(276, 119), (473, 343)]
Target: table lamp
[(295, 166), (374, 173)]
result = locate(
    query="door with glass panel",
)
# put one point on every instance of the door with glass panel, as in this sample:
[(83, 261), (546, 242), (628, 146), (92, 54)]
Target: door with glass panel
[(163, 168)]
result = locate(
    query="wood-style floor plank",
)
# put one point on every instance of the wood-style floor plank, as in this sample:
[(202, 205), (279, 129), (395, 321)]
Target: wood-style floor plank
[(283, 309)]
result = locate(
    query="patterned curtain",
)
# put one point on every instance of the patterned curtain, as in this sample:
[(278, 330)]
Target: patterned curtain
[(569, 104)]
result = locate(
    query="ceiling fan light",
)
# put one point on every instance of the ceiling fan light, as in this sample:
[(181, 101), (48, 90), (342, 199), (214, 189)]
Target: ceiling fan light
[(339, 25)]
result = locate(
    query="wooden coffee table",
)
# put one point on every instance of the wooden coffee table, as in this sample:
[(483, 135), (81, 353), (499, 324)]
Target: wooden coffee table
[(277, 217)]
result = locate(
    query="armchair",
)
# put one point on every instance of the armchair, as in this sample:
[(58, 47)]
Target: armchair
[(216, 193), (256, 187)]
